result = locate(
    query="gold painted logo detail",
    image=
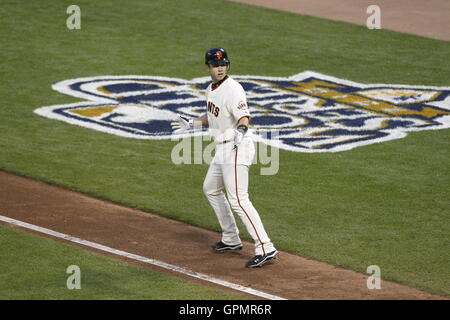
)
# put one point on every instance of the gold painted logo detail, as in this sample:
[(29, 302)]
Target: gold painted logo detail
[(94, 111), (371, 101)]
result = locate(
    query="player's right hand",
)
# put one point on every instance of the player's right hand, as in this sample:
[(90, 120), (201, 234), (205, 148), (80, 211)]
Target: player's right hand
[(181, 124)]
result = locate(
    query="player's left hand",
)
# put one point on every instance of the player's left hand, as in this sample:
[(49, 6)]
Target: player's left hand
[(239, 135)]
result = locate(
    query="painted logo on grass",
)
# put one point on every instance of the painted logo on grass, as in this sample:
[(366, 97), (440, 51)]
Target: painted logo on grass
[(310, 112)]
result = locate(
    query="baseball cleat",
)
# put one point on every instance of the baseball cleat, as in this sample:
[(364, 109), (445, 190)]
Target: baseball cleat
[(260, 260), (220, 246)]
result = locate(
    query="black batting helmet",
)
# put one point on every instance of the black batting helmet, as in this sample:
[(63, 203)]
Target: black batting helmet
[(216, 55)]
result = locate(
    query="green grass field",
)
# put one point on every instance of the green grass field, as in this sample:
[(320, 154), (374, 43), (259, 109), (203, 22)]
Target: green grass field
[(385, 204), (40, 272)]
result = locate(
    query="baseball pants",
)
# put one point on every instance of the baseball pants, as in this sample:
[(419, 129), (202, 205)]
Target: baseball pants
[(234, 179)]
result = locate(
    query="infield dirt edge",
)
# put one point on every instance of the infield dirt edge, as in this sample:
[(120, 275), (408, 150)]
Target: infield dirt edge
[(153, 236)]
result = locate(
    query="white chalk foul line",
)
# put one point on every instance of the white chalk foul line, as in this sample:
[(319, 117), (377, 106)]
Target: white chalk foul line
[(142, 259)]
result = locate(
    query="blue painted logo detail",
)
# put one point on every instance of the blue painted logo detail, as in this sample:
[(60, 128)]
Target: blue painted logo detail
[(310, 112)]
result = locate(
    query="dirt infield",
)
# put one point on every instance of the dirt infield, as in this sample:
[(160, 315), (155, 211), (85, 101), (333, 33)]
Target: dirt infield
[(152, 236), (429, 18)]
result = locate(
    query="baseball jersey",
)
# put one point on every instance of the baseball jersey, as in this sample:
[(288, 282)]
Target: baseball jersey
[(226, 105)]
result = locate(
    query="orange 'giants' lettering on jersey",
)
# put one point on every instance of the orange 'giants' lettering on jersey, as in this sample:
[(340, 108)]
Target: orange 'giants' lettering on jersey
[(242, 105), (213, 109)]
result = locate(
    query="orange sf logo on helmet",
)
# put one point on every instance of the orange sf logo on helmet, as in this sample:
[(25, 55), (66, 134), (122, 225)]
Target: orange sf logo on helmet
[(219, 55)]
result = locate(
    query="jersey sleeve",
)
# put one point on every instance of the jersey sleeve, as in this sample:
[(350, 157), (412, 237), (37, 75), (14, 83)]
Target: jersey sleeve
[(238, 103)]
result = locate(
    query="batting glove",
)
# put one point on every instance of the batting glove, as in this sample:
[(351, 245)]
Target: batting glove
[(239, 133), (182, 124)]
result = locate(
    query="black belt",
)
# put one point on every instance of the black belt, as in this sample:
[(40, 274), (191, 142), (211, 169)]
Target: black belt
[(223, 142)]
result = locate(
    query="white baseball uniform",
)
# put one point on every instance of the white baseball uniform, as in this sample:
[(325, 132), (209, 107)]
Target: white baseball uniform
[(226, 105)]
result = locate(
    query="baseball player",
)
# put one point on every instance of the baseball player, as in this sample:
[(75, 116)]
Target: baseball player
[(227, 117)]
